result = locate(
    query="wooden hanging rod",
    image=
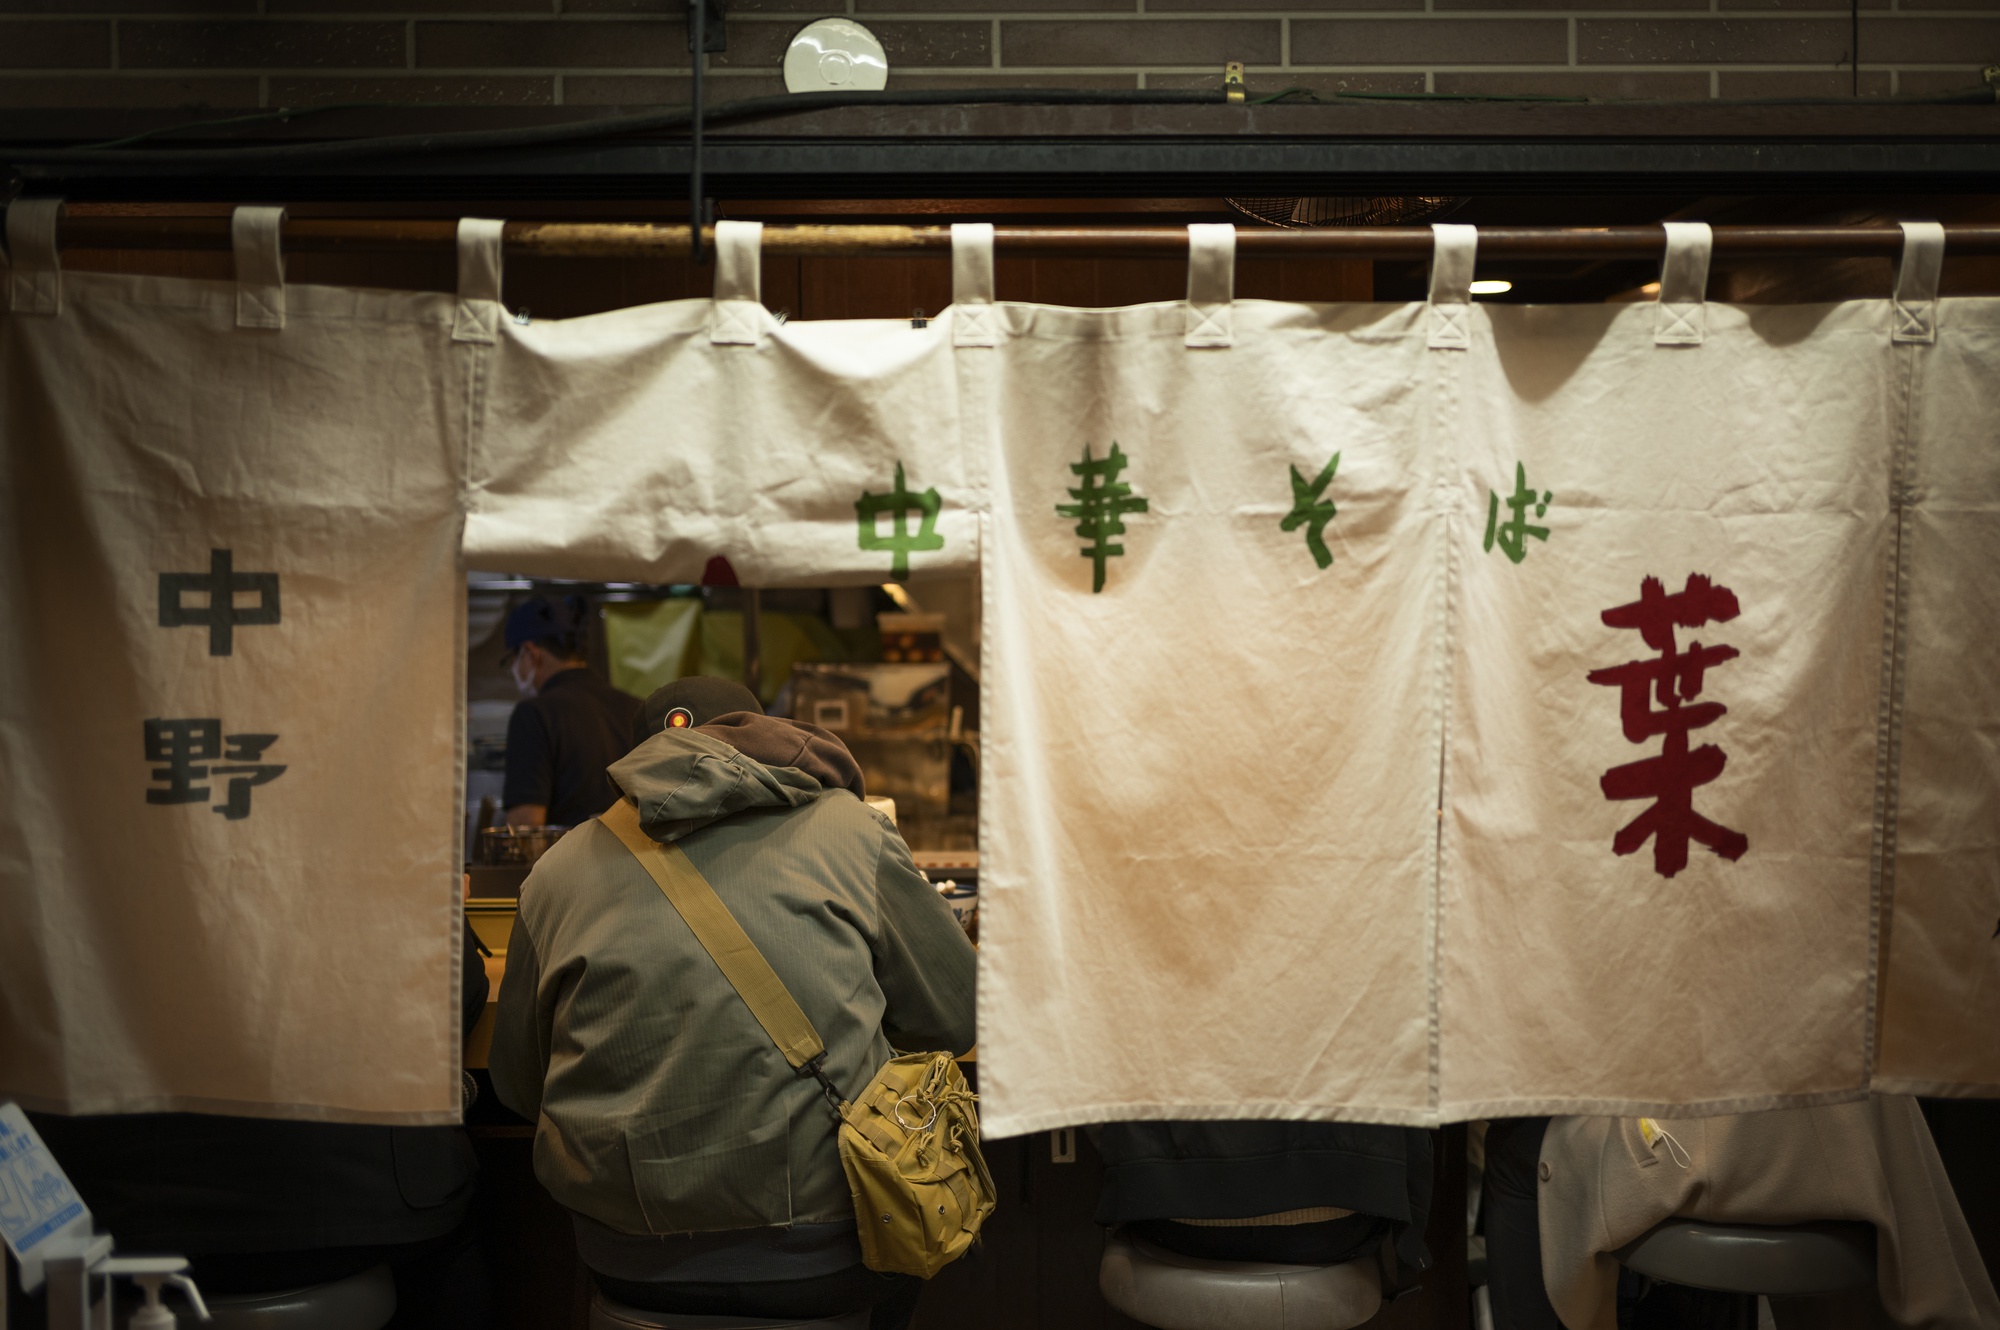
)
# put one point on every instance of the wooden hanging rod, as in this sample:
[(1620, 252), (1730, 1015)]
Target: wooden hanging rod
[(624, 240)]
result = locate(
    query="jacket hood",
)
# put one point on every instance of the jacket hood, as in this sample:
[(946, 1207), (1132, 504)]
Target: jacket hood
[(682, 780)]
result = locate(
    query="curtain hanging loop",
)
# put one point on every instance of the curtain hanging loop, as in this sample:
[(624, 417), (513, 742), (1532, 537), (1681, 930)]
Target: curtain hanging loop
[(1211, 285), (479, 273), (1917, 272), (1681, 317), (255, 237), (1455, 253), (972, 312), (739, 316), (34, 282)]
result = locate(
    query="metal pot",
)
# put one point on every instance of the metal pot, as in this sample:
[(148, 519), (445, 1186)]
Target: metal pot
[(516, 845)]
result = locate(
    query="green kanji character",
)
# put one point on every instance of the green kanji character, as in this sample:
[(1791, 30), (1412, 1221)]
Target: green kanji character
[(1312, 512), (1100, 508), (1512, 534), (900, 542)]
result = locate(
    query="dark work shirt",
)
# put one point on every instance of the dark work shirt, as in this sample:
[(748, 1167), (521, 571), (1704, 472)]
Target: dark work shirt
[(560, 741)]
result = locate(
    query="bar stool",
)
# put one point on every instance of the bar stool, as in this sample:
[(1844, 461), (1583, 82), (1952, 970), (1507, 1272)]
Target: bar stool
[(1173, 1292), (359, 1302), (606, 1314), (1795, 1260)]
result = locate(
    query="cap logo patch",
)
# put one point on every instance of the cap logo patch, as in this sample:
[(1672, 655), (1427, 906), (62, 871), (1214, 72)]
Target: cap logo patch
[(679, 718)]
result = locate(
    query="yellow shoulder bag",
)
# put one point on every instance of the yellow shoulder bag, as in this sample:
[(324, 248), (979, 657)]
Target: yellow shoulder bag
[(909, 1142)]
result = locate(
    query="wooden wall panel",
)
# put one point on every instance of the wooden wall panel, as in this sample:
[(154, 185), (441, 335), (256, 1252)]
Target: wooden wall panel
[(1304, 279), (897, 288), (562, 288), (1090, 283), (872, 288), (553, 288)]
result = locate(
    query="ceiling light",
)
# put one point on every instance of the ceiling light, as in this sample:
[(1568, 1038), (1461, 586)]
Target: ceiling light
[(1492, 288), (835, 55)]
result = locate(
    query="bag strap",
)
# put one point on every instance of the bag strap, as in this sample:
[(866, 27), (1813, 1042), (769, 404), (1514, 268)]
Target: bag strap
[(727, 945)]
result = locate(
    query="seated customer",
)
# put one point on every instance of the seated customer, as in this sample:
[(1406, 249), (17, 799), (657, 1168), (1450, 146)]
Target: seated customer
[(1510, 1205), (1296, 1193), (702, 1171), (261, 1205), (1601, 1183)]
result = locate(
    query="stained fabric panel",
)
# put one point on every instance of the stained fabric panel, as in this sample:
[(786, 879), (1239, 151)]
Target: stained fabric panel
[(1394, 713), (1668, 631), (642, 443), (1663, 620), (229, 692), (1941, 983), (1209, 731)]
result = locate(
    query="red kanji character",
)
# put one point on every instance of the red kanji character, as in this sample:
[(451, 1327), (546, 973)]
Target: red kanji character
[(1673, 678)]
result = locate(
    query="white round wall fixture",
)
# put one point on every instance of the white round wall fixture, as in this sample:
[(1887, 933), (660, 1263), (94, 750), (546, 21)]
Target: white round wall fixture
[(835, 55)]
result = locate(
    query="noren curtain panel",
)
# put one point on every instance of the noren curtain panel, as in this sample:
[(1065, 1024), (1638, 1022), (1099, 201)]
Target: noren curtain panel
[(1389, 712)]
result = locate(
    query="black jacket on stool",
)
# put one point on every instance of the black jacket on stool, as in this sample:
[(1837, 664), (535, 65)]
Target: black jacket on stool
[(1232, 1170), (202, 1184)]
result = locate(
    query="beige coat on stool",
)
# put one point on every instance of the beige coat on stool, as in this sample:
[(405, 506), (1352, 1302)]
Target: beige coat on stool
[(1870, 1160)]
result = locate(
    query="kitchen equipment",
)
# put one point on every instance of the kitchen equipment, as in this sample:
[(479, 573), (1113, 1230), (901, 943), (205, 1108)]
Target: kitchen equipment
[(496, 881), (955, 874), (905, 700), (515, 845)]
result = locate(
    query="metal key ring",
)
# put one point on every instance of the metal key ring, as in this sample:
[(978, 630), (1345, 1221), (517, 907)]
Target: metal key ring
[(897, 1112)]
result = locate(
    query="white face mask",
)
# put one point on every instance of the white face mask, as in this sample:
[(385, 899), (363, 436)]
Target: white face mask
[(523, 670)]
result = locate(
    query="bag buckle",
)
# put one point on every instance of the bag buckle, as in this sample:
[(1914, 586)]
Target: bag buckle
[(815, 1067)]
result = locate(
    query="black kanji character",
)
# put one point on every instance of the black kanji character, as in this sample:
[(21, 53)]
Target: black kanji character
[(246, 748), (183, 745), (221, 614)]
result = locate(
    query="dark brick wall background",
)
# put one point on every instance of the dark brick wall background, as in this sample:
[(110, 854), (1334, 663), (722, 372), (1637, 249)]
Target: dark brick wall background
[(271, 53)]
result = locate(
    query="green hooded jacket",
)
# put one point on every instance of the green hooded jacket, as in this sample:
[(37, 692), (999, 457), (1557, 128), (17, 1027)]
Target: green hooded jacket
[(660, 1104)]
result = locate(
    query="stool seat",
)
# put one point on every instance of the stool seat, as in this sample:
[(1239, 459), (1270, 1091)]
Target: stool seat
[(605, 1314), (1174, 1292), (1789, 1261), (360, 1302)]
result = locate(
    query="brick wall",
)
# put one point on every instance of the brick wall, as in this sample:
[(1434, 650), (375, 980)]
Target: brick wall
[(269, 53)]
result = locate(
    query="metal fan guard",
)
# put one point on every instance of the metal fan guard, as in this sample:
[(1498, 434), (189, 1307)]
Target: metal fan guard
[(1345, 210)]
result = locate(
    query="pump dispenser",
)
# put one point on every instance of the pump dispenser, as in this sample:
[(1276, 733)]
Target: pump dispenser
[(73, 1260), (149, 1273), (152, 1316)]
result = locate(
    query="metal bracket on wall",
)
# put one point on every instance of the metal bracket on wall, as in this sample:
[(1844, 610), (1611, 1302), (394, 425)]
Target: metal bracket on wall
[(715, 37), (706, 33), (1232, 82)]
